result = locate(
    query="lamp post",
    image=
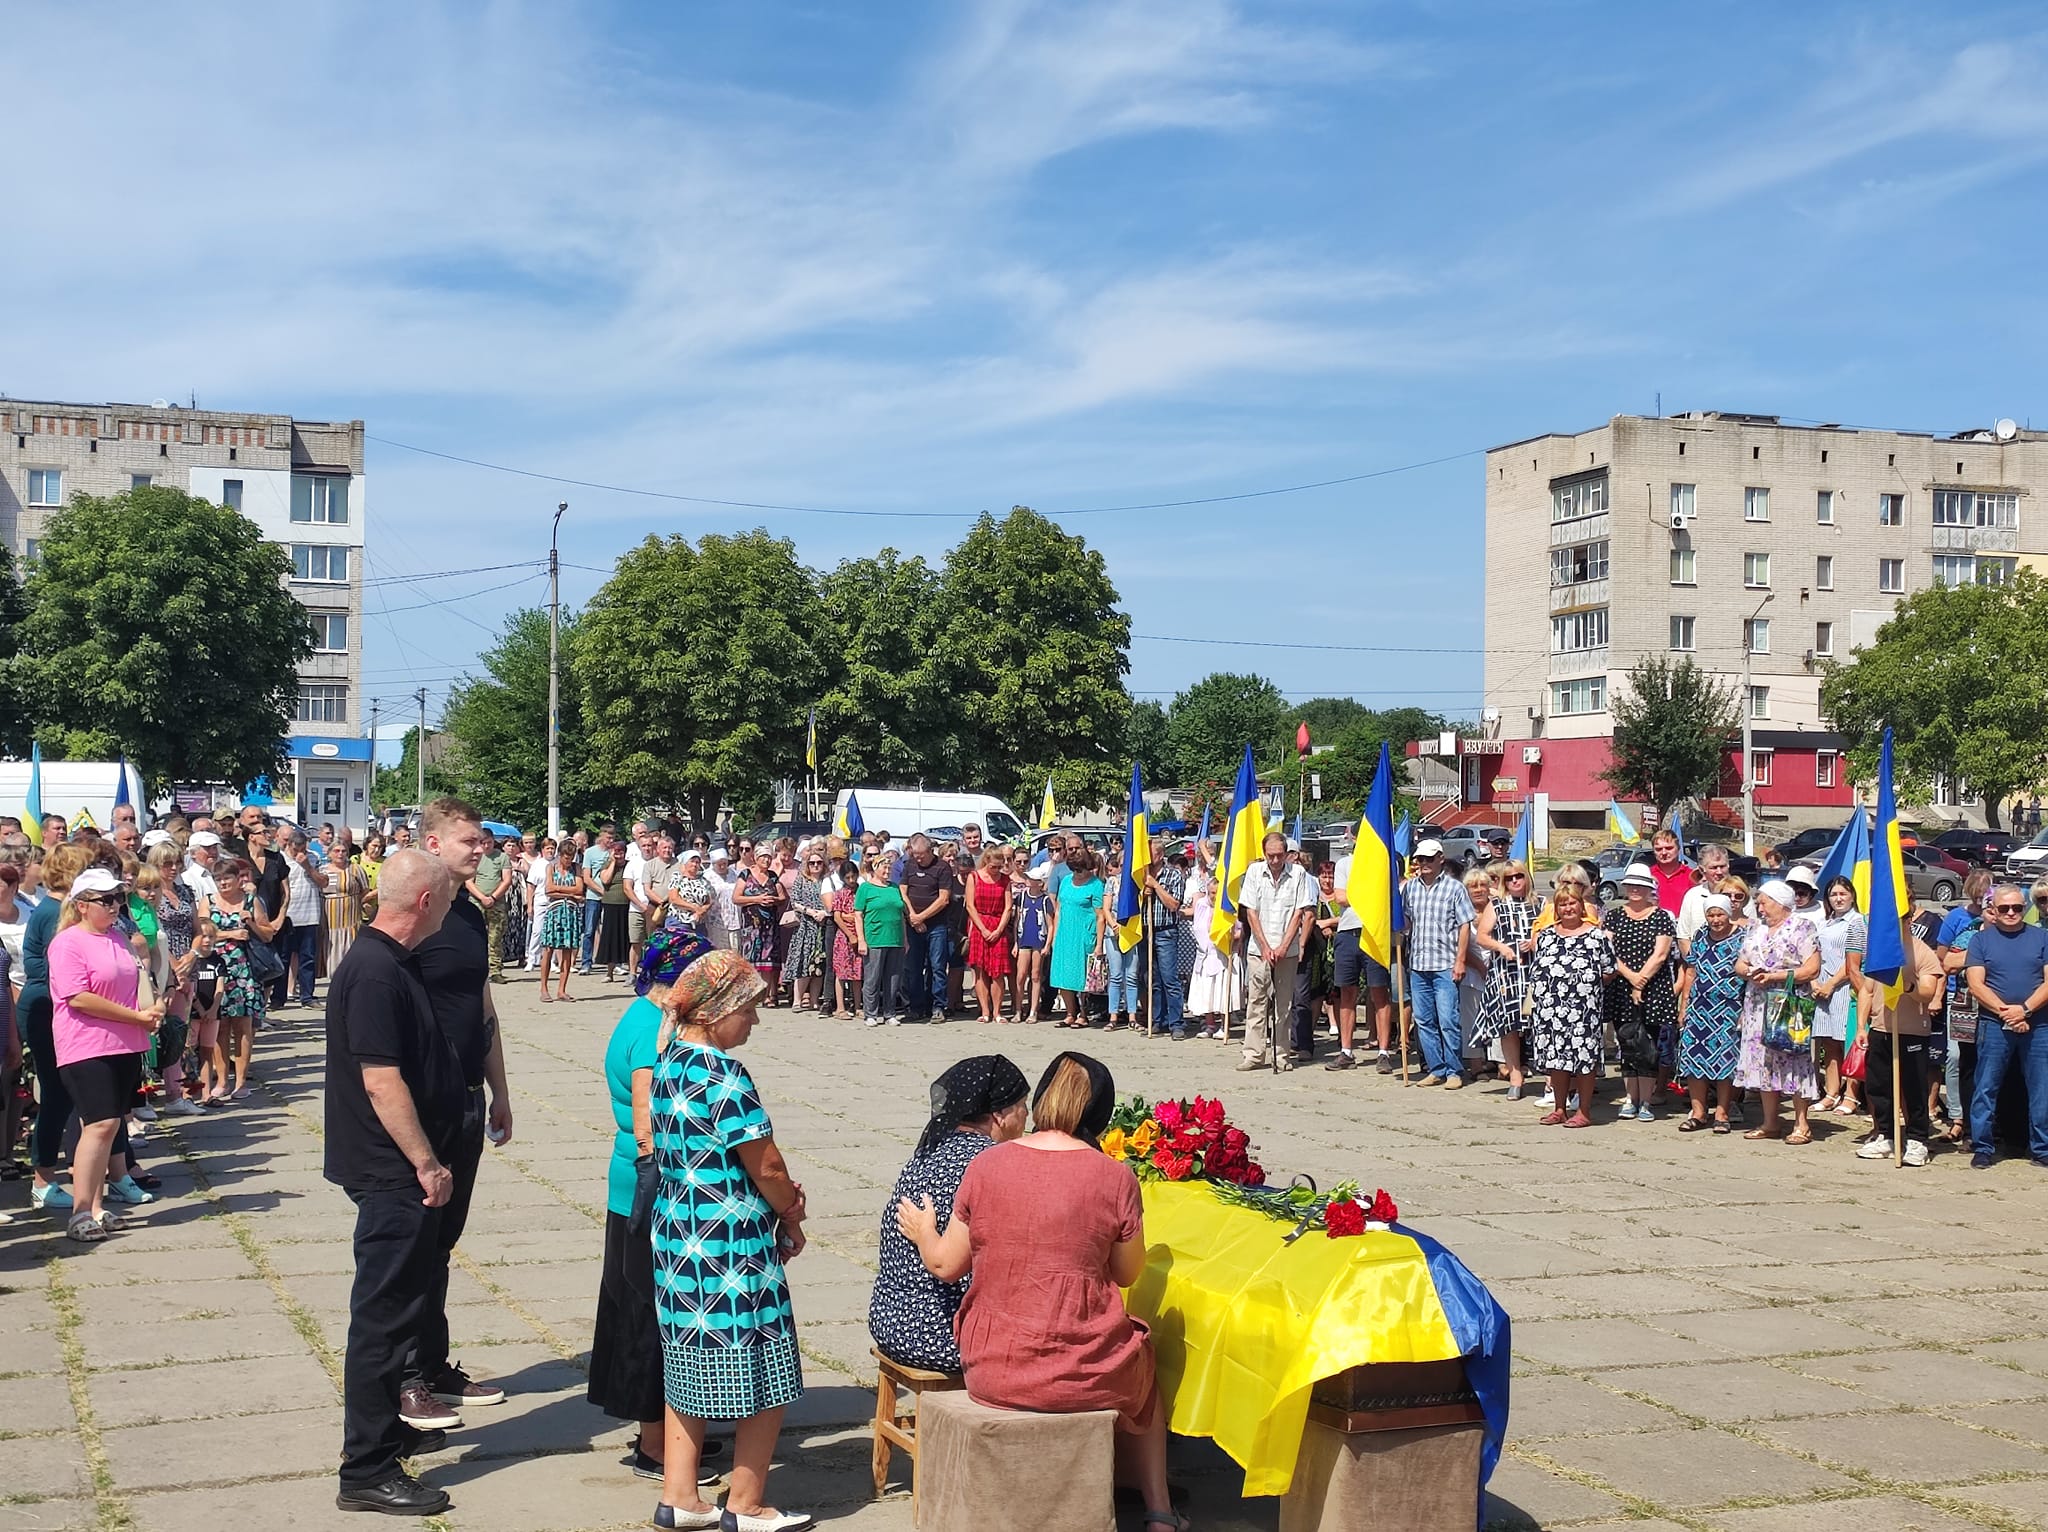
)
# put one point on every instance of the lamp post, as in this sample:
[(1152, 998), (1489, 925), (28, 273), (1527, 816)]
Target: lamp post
[(555, 675), (1748, 710)]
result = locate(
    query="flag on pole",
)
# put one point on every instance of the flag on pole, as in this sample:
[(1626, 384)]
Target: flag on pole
[(1047, 810), (1884, 956), (850, 824), (121, 783), (1620, 824), (1676, 825), (1375, 867), (1525, 834), (32, 809), (811, 741), (1202, 835), (1244, 835), (1129, 910), (1297, 830), (1849, 857)]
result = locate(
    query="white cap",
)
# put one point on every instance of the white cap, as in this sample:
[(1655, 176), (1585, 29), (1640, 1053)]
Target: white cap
[(1639, 874), (1429, 848), (1801, 874), (94, 880), (204, 838), (154, 838)]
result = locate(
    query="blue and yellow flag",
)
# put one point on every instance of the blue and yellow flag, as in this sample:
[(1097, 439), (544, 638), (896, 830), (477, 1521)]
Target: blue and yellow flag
[(1244, 836), (1849, 858), (1130, 910), (1884, 956), (850, 824), (811, 740), (1371, 888), (1525, 833), (1047, 810), (1620, 824), (1404, 839), (32, 808)]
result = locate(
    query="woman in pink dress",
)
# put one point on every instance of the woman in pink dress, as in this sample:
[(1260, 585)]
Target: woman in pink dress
[(1053, 1230)]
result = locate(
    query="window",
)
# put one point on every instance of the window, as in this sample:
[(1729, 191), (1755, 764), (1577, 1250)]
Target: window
[(46, 486), (1973, 508), (1756, 570), (1756, 505), (1824, 767), (1756, 635), (1583, 497), (32, 550), (330, 633), (317, 561), (1681, 632), (1683, 569), (1759, 702), (320, 500), (139, 481), (1953, 569), (1579, 630), (1891, 510), (323, 704), (1823, 640), (1891, 576), (1684, 497), (231, 494), (1759, 768), (1824, 508), (1588, 696), (1995, 571), (1577, 564), (1824, 572)]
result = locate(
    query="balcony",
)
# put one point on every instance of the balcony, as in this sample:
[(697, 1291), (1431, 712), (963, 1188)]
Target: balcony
[(1976, 540), (1567, 598), (1578, 662)]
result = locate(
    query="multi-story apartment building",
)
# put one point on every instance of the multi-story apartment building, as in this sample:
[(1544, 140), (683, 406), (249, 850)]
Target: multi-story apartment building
[(1757, 548), (300, 481)]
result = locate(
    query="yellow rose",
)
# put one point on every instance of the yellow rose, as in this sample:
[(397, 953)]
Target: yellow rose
[(1113, 1143), (1143, 1140)]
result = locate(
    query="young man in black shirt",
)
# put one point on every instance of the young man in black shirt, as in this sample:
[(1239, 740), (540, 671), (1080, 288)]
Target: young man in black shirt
[(928, 887), (395, 1100), (455, 965)]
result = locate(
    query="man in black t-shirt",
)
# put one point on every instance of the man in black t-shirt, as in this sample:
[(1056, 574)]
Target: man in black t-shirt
[(395, 1100), (455, 965), (928, 888)]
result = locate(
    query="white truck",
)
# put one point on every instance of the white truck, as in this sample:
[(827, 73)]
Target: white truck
[(904, 811), (73, 787)]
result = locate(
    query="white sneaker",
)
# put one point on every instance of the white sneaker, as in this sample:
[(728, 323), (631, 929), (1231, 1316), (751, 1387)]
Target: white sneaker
[(1549, 1100), (144, 1113), (1916, 1152), (183, 1107), (877, 1021), (1881, 1149)]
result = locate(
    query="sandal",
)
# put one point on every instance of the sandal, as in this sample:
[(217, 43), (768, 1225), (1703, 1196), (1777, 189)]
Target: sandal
[(1829, 1103), (1551, 1119), (1578, 1120), (1802, 1136), (1763, 1133), (1693, 1125), (1173, 1519), (1721, 1125)]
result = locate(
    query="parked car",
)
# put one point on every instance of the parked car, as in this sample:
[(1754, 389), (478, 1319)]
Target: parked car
[(1815, 842), (1613, 862), (1980, 848), (796, 829), (1461, 845), (2028, 861), (1938, 882)]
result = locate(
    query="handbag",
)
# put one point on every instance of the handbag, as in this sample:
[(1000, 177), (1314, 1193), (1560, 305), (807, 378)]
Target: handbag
[(1856, 1065), (265, 966), (1096, 980), (1789, 1026)]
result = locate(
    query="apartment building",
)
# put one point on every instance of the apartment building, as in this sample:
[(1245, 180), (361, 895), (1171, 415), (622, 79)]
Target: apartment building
[(300, 481), (1757, 548)]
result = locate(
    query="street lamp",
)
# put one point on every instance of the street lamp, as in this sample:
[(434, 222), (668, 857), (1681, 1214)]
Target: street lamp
[(555, 675), (1748, 711)]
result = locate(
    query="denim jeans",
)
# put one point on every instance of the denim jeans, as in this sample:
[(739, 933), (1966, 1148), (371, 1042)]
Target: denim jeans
[(1434, 997), (590, 915), (302, 959), (925, 958), (1123, 979), (1997, 1052), (1169, 1000)]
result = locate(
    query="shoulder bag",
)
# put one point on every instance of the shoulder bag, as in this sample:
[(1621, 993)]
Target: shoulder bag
[(1788, 1025)]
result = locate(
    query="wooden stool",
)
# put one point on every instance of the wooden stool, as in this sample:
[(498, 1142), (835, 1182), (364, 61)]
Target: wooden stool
[(896, 1427), (1015, 1470)]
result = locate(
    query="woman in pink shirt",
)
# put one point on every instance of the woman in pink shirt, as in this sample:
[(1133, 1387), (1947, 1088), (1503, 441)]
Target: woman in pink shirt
[(99, 1035)]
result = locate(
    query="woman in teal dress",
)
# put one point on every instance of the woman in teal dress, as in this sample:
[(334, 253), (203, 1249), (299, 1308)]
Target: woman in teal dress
[(1076, 933), (726, 1216)]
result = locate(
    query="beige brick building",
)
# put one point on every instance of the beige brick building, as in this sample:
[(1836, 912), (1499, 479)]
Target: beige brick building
[(300, 481), (1712, 534)]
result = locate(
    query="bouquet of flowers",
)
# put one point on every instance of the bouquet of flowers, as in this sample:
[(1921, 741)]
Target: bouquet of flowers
[(1181, 1141)]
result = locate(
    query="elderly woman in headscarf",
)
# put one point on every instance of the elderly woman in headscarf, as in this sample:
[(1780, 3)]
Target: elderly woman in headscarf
[(1776, 949), (976, 1104), (625, 1350), (1053, 1229), (726, 1216)]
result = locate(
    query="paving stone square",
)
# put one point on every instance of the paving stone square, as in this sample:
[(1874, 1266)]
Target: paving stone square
[(1710, 1335)]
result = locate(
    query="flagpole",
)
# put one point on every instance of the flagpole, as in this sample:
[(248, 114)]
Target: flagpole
[(1898, 1101), (1401, 1006), (1145, 965)]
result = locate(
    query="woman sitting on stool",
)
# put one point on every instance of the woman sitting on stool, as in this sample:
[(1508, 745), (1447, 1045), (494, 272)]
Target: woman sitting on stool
[(976, 1104), (1052, 1228)]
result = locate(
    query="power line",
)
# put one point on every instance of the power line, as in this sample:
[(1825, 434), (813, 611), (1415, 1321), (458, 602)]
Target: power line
[(449, 574), (466, 596)]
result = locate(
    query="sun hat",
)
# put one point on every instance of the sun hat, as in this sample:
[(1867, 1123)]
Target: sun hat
[(204, 838), (1429, 848), (1640, 875)]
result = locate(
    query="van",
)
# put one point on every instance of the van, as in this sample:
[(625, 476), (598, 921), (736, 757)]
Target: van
[(72, 788), (904, 811)]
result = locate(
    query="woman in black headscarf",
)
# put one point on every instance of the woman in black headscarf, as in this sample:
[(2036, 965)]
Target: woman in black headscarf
[(976, 1104)]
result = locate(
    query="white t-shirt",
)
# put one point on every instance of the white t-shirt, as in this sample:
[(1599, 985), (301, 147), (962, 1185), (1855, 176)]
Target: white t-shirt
[(200, 881), (1350, 920)]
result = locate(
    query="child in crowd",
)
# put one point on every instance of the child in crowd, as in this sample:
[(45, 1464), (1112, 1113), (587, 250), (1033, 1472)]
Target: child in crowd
[(1034, 917)]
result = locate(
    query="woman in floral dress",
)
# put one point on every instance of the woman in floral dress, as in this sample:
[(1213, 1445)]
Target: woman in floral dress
[(1711, 1036), (758, 896), (1776, 947), (806, 960), (1505, 936), (1567, 979), (237, 920), (846, 944)]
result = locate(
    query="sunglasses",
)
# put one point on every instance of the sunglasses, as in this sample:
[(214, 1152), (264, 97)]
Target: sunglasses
[(2008, 909), (104, 901), (1518, 877)]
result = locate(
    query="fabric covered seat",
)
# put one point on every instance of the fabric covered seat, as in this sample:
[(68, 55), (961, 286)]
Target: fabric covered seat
[(999, 1470)]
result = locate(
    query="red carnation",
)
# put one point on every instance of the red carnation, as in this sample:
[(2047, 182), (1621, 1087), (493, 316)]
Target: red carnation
[(1209, 1114), (1343, 1218), (1383, 1209)]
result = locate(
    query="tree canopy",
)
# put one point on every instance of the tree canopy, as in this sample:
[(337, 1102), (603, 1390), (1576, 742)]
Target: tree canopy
[(885, 714), (1672, 721), (160, 623), (1956, 673), (1211, 722)]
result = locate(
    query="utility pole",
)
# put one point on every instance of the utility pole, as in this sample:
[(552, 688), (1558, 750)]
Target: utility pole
[(555, 674), (1748, 775), (376, 707), (420, 750)]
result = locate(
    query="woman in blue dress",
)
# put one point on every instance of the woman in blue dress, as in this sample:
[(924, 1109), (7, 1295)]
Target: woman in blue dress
[(1711, 1036), (726, 1216), (1076, 933)]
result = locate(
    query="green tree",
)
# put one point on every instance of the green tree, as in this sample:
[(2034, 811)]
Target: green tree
[(17, 729), (886, 716), (1145, 741), (1671, 727), (1211, 722), (1326, 717), (1956, 673), (1033, 653), (398, 784), (163, 621), (698, 666)]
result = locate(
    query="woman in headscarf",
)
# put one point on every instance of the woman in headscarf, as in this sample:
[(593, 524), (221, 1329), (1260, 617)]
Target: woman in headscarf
[(1777, 948), (976, 1104), (1052, 1229), (625, 1350), (726, 1217), (1711, 1035)]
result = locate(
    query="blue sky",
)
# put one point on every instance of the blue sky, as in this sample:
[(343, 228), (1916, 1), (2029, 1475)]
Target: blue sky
[(949, 257)]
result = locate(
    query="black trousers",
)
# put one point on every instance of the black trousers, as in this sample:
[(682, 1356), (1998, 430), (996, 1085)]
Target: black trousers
[(430, 1347), (397, 1247), (53, 1101), (1877, 1083)]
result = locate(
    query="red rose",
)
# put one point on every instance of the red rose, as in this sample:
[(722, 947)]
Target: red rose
[(1236, 1140), (1383, 1209), (1343, 1218), (1175, 1167), (1254, 1174)]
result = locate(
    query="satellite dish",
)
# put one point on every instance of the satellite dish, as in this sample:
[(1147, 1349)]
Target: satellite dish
[(159, 404), (2005, 430)]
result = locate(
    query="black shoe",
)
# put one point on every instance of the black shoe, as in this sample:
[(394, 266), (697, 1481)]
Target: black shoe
[(1384, 1063), (645, 1467), (1342, 1061), (414, 1444), (399, 1495), (1982, 1159)]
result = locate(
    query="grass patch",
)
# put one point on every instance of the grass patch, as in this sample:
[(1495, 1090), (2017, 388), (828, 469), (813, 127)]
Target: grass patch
[(110, 1510)]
